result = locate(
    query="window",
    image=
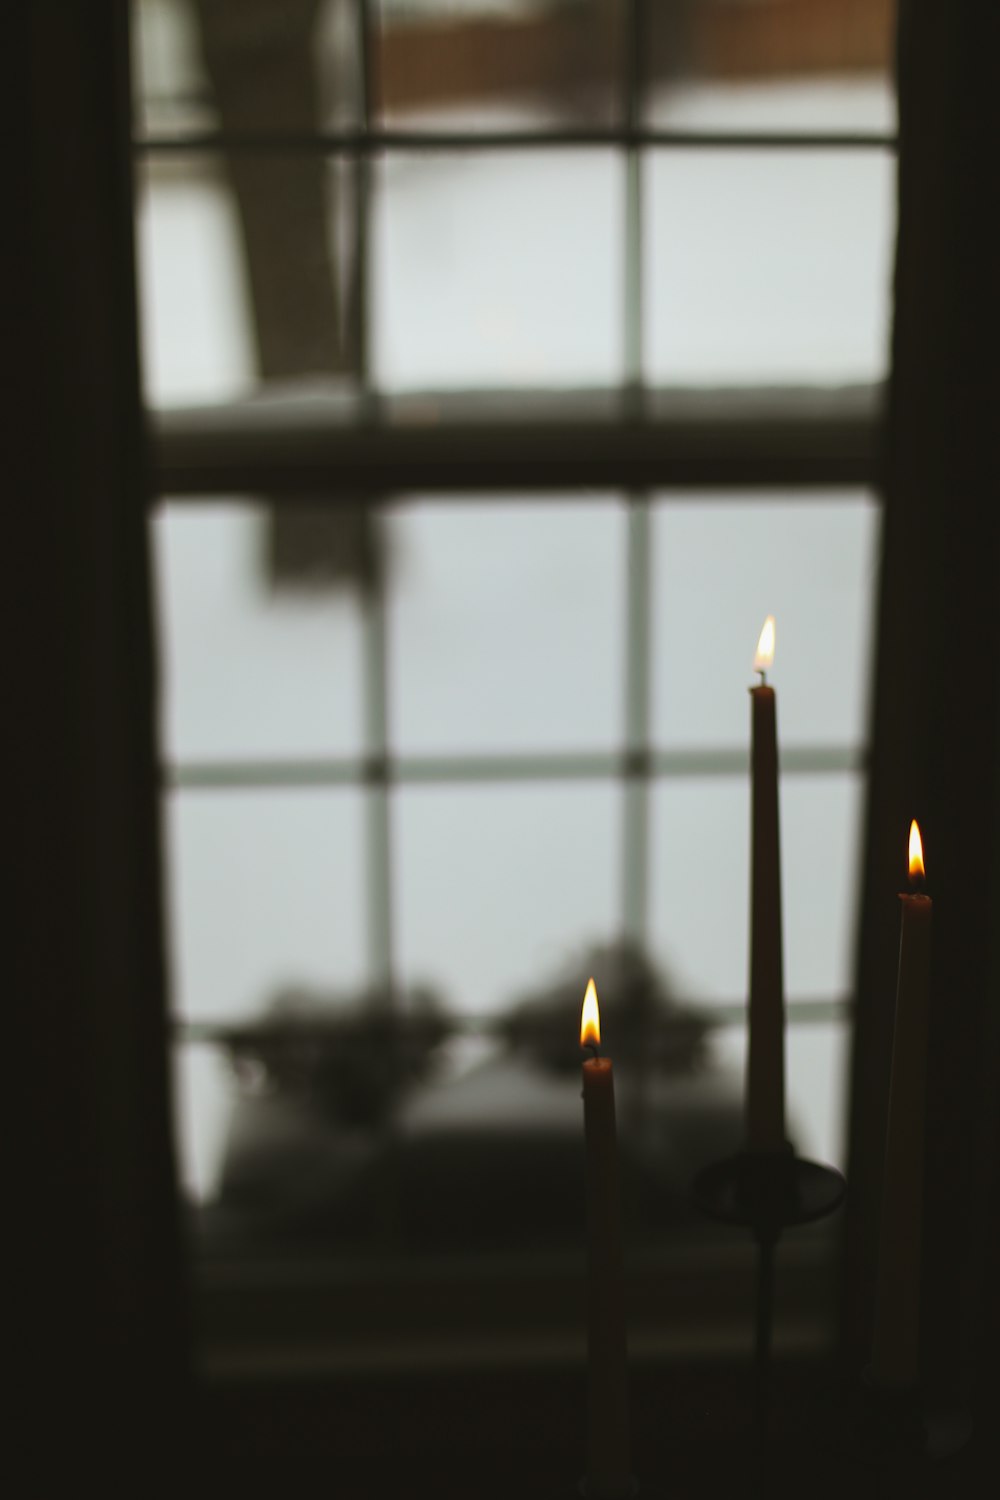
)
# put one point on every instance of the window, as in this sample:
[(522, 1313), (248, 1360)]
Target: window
[(504, 372)]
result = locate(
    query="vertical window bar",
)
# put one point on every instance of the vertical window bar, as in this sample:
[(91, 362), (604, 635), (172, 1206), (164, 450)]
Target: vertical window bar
[(635, 860), (381, 952), (636, 806), (633, 109), (362, 168)]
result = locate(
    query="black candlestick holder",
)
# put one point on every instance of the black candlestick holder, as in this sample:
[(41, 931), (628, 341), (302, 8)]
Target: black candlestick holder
[(766, 1192)]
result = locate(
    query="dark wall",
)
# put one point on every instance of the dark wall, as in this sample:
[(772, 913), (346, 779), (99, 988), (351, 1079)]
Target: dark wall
[(936, 751), (98, 1285)]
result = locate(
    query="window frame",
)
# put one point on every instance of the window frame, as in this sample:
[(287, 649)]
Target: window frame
[(371, 450)]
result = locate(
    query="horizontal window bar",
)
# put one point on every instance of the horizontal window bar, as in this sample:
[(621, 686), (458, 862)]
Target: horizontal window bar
[(373, 142), (715, 1016), (338, 446), (220, 775)]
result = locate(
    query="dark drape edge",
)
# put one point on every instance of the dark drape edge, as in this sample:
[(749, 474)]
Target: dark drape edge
[(102, 1295), (937, 678)]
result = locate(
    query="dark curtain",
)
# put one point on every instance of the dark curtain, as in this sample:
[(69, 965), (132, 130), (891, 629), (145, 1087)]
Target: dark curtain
[(935, 750), (96, 1297)]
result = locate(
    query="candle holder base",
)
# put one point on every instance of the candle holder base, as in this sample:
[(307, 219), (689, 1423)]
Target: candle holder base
[(768, 1191)]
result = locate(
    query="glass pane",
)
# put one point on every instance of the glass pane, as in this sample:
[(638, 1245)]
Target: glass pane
[(266, 897), (484, 63), (259, 658), (721, 564), (499, 888), (244, 65), (194, 306), (246, 275), (820, 848), (768, 267), (699, 892), (497, 270), (170, 87), (203, 1110), (817, 1058), (506, 627), (801, 65)]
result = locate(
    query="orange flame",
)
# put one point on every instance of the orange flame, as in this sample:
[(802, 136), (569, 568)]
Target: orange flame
[(764, 655), (590, 1018), (916, 853)]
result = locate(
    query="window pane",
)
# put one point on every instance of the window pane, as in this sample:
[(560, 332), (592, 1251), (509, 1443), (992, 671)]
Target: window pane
[(482, 64), (773, 65), (497, 270), (257, 65), (817, 1057), (194, 306), (203, 1109), (768, 267), (258, 661), (246, 275), (699, 893), (498, 888), (266, 896), (721, 564), (170, 87), (506, 627)]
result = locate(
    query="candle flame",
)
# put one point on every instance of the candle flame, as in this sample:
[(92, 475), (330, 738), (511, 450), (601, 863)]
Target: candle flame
[(590, 1018), (764, 655), (916, 854)]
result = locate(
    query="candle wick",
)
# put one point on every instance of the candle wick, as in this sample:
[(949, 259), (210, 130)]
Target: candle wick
[(593, 1047), (762, 675)]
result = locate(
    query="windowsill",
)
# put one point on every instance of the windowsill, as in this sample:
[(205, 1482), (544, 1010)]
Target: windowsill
[(691, 1299)]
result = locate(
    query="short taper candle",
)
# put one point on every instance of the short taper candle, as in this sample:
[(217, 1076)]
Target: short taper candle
[(608, 1465)]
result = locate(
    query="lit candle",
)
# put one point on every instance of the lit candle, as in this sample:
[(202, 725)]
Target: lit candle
[(765, 1105), (608, 1470), (895, 1347)]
